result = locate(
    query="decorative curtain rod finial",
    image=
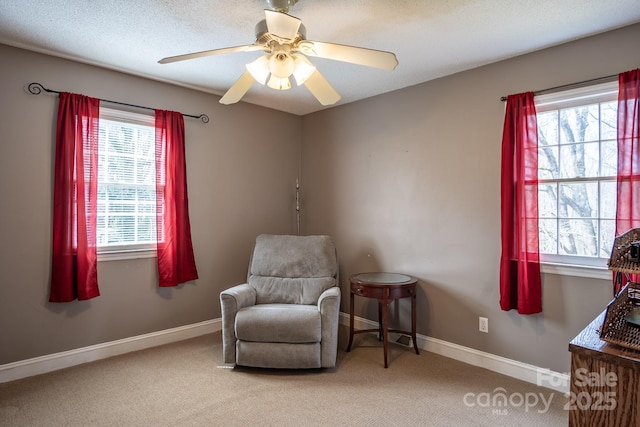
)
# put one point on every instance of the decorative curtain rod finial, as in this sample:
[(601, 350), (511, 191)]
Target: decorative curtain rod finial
[(36, 89), (204, 118)]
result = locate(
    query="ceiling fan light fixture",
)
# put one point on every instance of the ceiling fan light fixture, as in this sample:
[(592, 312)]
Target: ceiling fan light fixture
[(279, 83), (283, 38), (303, 69), (259, 69)]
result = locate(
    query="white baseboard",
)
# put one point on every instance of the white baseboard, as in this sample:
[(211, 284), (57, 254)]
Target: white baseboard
[(43, 364), (522, 371), (66, 359)]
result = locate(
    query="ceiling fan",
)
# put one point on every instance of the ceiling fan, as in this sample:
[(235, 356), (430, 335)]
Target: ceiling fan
[(283, 37)]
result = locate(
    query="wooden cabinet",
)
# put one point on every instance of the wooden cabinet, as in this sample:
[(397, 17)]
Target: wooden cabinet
[(605, 381)]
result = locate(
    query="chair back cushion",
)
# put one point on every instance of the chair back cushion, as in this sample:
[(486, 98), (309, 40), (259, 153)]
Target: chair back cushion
[(292, 269)]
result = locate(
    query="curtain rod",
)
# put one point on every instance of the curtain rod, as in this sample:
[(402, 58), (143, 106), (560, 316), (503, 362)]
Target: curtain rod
[(572, 85), (37, 88)]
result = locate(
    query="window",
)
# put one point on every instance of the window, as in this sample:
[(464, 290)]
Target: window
[(577, 165), (126, 182)]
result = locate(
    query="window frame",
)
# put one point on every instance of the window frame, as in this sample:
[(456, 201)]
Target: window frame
[(126, 251), (567, 264)]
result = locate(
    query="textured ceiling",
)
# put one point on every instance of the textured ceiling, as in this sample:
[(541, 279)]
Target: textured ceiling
[(431, 39)]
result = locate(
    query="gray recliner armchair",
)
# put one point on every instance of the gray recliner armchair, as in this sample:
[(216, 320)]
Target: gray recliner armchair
[(287, 314)]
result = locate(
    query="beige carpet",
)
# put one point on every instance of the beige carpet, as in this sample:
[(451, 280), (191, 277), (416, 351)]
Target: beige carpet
[(186, 384)]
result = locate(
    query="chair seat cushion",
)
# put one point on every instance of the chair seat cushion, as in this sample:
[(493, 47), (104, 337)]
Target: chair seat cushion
[(282, 323)]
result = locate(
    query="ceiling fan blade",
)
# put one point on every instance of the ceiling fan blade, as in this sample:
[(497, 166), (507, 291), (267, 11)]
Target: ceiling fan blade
[(321, 89), (246, 48), (282, 25), (239, 88), (355, 55)]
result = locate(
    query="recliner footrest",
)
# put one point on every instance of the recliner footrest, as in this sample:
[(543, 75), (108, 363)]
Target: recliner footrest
[(279, 356)]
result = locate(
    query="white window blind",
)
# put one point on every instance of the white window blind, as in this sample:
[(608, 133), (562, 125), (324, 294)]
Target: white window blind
[(126, 182)]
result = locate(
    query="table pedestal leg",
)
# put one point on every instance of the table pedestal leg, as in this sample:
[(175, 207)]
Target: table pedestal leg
[(379, 320), (385, 334), (351, 305), (413, 323), (385, 327)]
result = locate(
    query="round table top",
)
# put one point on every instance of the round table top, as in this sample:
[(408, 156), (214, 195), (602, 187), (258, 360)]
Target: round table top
[(383, 278)]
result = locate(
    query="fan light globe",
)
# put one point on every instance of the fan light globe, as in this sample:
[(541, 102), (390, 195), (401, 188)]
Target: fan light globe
[(281, 65), (303, 69), (278, 83), (259, 69)]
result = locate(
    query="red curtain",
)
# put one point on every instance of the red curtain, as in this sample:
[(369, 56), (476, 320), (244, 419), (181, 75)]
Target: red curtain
[(74, 269), (520, 284), (628, 204), (176, 263)]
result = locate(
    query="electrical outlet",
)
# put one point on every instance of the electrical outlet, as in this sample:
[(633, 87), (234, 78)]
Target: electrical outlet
[(483, 325)]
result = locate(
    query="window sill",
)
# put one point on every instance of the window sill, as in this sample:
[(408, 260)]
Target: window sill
[(576, 270), (124, 255)]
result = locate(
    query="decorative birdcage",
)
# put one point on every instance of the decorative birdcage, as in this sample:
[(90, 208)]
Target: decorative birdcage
[(622, 320), (621, 260)]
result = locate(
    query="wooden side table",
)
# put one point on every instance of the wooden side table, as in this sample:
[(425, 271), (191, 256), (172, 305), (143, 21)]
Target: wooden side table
[(385, 287), (605, 381)]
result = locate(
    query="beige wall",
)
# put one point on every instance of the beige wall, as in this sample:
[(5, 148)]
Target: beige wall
[(241, 166), (407, 181), (410, 182)]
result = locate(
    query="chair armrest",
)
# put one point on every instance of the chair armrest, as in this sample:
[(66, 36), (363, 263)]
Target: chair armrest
[(329, 296), (242, 295), (329, 307), (232, 300)]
